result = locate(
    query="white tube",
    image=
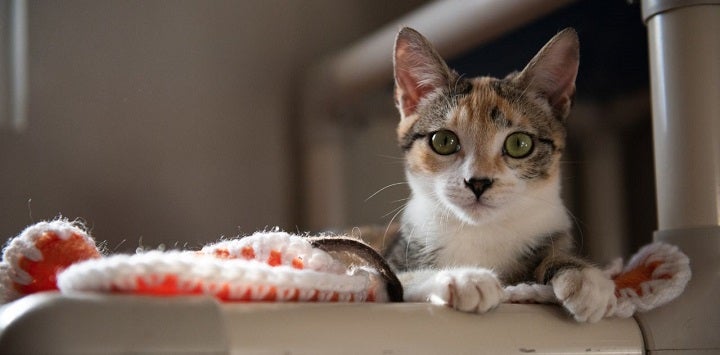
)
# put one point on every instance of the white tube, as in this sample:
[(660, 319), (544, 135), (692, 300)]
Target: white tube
[(684, 41), (685, 70), (452, 26), (18, 64)]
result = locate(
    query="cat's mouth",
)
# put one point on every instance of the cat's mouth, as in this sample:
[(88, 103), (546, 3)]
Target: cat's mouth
[(479, 205), (470, 208), (475, 210), (471, 202)]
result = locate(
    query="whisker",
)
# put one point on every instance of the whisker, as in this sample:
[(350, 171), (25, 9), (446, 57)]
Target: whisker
[(527, 87), (391, 157), (407, 246), (387, 229), (383, 189), (401, 207)]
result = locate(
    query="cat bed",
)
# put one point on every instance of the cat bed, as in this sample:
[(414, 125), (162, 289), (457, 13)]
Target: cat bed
[(274, 266)]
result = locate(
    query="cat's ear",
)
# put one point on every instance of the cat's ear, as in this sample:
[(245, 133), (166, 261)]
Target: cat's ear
[(552, 72), (419, 70)]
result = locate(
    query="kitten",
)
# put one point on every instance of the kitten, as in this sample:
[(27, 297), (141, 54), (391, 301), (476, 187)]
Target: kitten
[(482, 160)]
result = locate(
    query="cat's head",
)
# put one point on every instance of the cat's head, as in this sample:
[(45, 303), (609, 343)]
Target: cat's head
[(481, 147)]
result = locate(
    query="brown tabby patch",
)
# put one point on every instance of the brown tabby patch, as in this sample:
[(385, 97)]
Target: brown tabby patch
[(482, 118)]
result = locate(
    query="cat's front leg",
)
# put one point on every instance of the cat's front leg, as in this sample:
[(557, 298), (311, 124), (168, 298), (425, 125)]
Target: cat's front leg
[(586, 292), (466, 289)]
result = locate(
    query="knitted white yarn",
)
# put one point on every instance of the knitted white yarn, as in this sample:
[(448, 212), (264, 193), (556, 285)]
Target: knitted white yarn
[(674, 265), (7, 291), (23, 246), (323, 278), (291, 246), (668, 282)]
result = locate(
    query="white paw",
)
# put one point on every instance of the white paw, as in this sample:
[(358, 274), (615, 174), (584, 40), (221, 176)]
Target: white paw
[(587, 293), (465, 289)]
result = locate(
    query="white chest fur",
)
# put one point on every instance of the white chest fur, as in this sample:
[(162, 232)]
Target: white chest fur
[(496, 244)]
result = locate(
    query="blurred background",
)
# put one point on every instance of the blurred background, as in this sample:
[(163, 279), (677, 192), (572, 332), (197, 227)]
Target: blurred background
[(177, 122)]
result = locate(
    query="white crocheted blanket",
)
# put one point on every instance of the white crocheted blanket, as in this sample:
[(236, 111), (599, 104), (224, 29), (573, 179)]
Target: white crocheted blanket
[(275, 266)]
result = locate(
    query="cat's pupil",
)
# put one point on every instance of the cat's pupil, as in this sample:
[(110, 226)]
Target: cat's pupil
[(444, 142), (518, 145)]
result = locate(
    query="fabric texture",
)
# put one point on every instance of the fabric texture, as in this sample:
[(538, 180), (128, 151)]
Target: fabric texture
[(274, 266)]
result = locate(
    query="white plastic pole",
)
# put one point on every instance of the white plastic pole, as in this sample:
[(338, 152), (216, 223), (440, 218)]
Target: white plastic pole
[(18, 64), (685, 69), (684, 42)]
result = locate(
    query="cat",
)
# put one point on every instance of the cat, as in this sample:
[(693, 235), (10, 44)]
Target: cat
[(482, 160)]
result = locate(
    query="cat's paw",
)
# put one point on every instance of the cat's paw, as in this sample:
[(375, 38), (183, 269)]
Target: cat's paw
[(465, 289), (586, 293)]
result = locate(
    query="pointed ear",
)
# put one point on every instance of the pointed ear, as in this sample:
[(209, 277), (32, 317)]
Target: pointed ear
[(419, 70), (552, 72)]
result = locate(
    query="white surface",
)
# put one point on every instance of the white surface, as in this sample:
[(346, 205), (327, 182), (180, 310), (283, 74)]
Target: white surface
[(121, 324), (423, 329)]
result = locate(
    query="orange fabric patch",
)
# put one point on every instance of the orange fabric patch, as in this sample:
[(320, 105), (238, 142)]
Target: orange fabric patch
[(297, 263), (271, 295), (635, 277), (222, 254), (371, 295), (57, 255), (292, 295), (248, 253), (168, 286), (275, 258)]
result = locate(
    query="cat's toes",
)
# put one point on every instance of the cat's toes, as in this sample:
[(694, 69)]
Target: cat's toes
[(586, 293), (465, 289), (470, 290)]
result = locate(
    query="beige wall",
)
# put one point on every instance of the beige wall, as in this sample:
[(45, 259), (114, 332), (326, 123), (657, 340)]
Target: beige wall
[(168, 121)]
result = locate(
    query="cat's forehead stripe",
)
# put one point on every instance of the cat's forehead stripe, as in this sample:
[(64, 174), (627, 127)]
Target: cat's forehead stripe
[(504, 89), (499, 118), (488, 104)]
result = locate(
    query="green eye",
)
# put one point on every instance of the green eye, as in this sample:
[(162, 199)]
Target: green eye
[(444, 142), (518, 145)]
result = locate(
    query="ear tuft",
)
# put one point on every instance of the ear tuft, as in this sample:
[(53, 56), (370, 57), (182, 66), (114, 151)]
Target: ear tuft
[(419, 70), (552, 72)]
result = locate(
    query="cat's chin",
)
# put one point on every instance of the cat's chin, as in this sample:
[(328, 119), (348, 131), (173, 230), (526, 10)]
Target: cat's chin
[(475, 213)]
